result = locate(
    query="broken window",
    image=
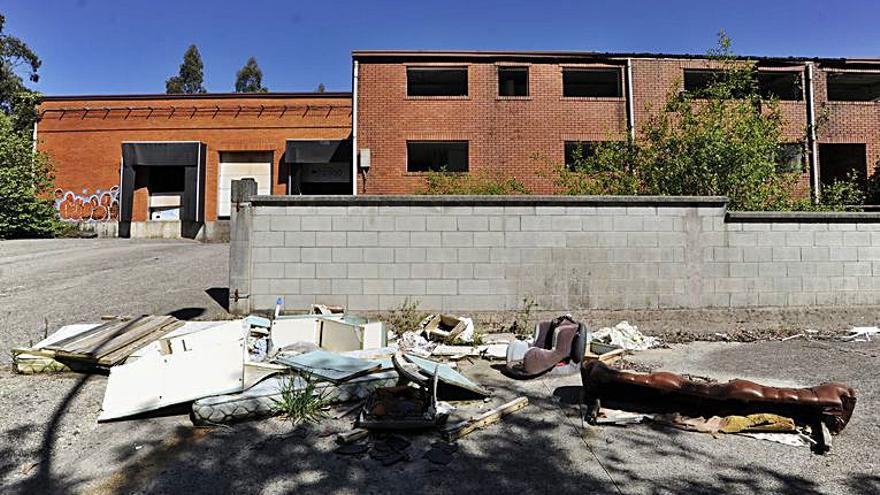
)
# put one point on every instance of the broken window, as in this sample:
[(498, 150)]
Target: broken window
[(853, 86), (781, 85), (591, 82), (790, 158), (576, 151), (424, 156), (437, 81), (839, 162), (513, 81)]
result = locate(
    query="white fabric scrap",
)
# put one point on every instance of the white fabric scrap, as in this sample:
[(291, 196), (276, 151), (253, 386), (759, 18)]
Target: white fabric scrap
[(625, 336), (861, 334), (790, 439)]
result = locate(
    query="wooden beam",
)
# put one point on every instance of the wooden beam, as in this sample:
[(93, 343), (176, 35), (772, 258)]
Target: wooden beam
[(462, 428)]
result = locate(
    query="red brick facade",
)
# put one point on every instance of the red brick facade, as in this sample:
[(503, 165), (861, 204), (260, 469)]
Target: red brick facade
[(522, 136), (83, 135)]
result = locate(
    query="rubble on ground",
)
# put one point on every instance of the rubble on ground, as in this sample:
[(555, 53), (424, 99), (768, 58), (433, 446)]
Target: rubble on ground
[(257, 367)]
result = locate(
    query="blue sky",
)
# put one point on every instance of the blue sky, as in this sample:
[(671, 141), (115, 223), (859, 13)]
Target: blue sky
[(126, 46)]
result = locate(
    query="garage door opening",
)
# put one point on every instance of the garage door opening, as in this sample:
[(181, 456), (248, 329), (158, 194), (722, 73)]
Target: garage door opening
[(170, 175), (165, 186), (318, 167), (837, 162), (237, 165)]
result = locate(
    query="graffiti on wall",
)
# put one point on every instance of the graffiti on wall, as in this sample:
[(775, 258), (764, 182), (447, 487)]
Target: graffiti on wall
[(101, 206)]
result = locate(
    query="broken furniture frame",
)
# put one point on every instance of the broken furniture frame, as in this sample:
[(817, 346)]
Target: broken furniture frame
[(825, 408)]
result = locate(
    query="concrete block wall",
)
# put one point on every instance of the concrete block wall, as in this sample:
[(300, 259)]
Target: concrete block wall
[(565, 253)]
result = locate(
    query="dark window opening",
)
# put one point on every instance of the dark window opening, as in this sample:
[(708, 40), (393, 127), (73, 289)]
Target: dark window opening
[(591, 82), (699, 80), (163, 180), (838, 162), (853, 86), (513, 81), (424, 156), (576, 151), (790, 158), (781, 85), (437, 81)]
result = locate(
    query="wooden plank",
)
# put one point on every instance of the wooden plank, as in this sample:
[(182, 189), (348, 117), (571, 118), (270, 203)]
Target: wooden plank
[(123, 352), (135, 332), (352, 436), (462, 428), (116, 338), (74, 341)]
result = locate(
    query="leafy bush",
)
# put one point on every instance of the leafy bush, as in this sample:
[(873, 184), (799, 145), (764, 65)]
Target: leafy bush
[(26, 209), (471, 184), (722, 140)]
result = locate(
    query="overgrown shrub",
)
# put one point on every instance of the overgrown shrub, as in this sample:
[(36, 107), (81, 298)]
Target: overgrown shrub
[(406, 317), (722, 140), (471, 184), (26, 207)]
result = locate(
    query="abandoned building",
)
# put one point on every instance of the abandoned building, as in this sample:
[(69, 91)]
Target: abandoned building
[(161, 165)]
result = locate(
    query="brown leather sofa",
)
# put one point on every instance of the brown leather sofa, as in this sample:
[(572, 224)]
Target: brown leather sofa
[(830, 404)]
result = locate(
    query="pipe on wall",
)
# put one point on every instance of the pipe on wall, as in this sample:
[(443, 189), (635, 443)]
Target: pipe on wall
[(811, 134), (354, 123), (630, 107)]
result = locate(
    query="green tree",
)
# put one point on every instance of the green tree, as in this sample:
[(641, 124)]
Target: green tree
[(320, 88), (721, 140), (190, 78), (249, 79), (27, 209), (16, 100)]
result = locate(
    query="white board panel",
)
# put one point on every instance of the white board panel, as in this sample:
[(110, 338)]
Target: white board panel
[(244, 165), (156, 380)]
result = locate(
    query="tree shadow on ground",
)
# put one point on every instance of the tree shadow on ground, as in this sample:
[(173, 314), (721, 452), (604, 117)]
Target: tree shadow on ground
[(541, 449), (43, 479)]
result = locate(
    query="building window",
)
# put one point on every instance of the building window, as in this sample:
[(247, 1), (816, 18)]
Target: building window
[(853, 86), (697, 81), (790, 158), (513, 81), (576, 151), (437, 81), (781, 85), (434, 156), (591, 82)]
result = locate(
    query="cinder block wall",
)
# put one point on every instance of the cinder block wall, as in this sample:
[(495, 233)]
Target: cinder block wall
[(566, 253)]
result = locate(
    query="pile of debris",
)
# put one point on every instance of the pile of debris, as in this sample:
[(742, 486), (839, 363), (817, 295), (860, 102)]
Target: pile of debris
[(241, 369)]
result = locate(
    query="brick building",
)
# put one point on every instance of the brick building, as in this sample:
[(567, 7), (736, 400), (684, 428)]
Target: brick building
[(162, 164), (517, 113)]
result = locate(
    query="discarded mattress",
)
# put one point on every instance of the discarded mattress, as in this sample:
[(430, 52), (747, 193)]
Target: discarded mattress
[(30, 360), (260, 401), (831, 404), (562, 340)]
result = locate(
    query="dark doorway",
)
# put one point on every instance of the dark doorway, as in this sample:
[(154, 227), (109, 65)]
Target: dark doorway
[(838, 161)]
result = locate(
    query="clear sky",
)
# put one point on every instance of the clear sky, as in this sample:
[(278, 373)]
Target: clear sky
[(127, 46)]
